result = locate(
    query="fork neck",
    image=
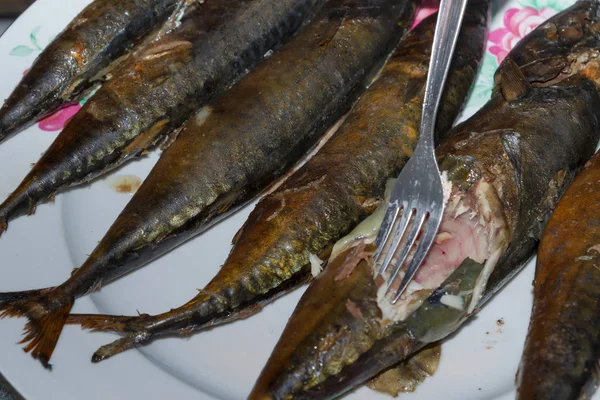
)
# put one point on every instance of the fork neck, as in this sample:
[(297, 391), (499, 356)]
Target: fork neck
[(449, 20)]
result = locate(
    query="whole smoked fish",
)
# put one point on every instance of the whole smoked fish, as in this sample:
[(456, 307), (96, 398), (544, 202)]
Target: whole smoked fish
[(561, 354), (231, 150), (153, 93), (505, 169), (326, 198), (81, 55)]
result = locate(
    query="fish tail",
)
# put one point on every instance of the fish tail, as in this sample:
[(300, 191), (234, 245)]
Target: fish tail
[(138, 329), (120, 345), (47, 316), (204, 310), (102, 322)]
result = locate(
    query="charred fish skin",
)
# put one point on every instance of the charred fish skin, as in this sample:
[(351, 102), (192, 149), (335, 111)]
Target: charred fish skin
[(560, 358), (325, 198), (404, 73), (287, 113), (230, 151), (571, 38), (527, 153), (344, 31), (384, 345), (155, 92), (98, 36), (366, 352), (579, 30)]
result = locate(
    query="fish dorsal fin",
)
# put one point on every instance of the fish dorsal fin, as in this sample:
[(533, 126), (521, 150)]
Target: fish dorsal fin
[(513, 84)]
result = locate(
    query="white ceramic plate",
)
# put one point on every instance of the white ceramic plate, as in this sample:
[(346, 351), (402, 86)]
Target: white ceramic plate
[(478, 363)]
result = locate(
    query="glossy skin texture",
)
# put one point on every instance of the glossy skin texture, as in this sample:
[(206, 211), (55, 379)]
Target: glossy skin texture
[(235, 147), (326, 198), (336, 340), (156, 91), (544, 56), (99, 35), (562, 348)]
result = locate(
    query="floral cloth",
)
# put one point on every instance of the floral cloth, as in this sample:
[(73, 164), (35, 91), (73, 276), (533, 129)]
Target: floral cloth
[(517, 24), (426, 8), (59, 119)]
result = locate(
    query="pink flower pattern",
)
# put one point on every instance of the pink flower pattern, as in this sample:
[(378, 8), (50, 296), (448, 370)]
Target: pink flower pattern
[(58, 120), (426, 8), (517, 24)]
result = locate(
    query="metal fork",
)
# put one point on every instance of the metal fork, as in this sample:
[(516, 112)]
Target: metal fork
[(418, 190)]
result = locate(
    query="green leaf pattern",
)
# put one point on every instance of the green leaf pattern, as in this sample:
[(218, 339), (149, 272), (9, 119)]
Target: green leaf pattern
[(482, 90), (31, 48), (21, 51), (558, 5)]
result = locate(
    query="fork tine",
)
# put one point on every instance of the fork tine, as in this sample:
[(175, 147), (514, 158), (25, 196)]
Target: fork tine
[(399, 228), (425, 243), (389, 221), (412, 237)]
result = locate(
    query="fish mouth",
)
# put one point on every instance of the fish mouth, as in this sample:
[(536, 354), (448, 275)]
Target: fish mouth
[(473, 227)]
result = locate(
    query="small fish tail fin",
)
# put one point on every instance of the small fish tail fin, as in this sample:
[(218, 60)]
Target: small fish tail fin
[(47, 316), (138, 329), (102, 322), (206, 309), (128, 342)]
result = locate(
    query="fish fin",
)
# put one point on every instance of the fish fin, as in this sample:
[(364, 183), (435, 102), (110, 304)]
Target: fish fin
[(147, 139), (169, 139), (135, 328), (120, 345), (237, 236), (511, 142), (31, 210), (46, 320), (513, 84), (369, 204), (102, 322)]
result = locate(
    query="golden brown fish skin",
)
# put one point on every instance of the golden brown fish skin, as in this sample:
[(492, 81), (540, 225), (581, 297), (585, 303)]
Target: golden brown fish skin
[(232, 149), (408, 375), (358, 345), (562, 349), (520, 144), (155, 92), (100, 34), (353, 301), (323, 200)]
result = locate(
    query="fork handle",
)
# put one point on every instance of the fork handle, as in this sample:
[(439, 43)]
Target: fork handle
[(449, 20)]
